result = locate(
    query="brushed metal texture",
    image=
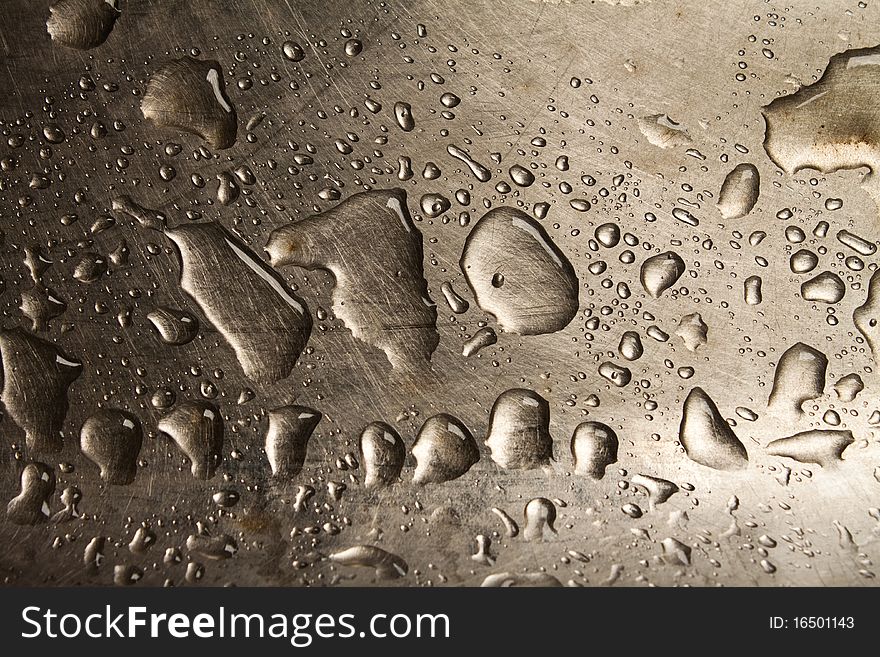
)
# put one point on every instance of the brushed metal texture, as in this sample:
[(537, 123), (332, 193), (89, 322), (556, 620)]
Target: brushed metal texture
[(408, 293)]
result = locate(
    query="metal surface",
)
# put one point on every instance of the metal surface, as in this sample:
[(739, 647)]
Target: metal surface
[(187, 330)]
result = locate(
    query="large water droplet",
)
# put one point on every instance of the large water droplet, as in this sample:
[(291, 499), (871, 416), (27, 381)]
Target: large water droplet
[(189, 94), (630, 346), (799, 376), (31, 505), (519, 430), (386, 564), (382, 454), (662, 131), (847, 387), (831, 124), (827, 287), (246, 300), (823, 447), (380, 293), (593, 448), (287, 439), (82, 24), (740, 191), (444, 450), (177, 327), (660, 272), (36, 377), (540, 516), (111, 439), (506, 580), (706, 436), (404, 116), (196, 427), (867, 316), (539, 292)]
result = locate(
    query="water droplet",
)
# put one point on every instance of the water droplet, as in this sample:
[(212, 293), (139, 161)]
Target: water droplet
[(37, 375), (176, 327), (404, 116), (479, 171), (662, 131), (287, 440), (848, 387), (510, 526), (386, 564), (482, 338), (706, 436), (112, 439), (444, 450), (196, 427), (540, 515), (216, 548), (519, 430), (803, 261), (608, 235), (824, 125), (382, 454), (823, 447), (746, 414), (353, 47), (675, 552), (752, 290), (630, 346), (856, 243), (740, 191), (827, 287), (82, 24), (867, 316), (618, 375), (593, 448), (506, 580), (693, 331), (189, 94), (143, 539), (540, 290), (433, 205), (449, 100), (293, 51), (521, 176), (145, 217), (127, 574), (386, 306), (31, 505), (456, 302), (799, 376), (93, 554), (90, 268), (266, 324), (659, 490), (660, 272), (227, 189)]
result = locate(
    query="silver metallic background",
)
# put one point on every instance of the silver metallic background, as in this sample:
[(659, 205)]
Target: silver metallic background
[(677, 58)]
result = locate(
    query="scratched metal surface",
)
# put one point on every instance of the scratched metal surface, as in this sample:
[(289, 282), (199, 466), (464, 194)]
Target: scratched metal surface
[(536, 81)]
